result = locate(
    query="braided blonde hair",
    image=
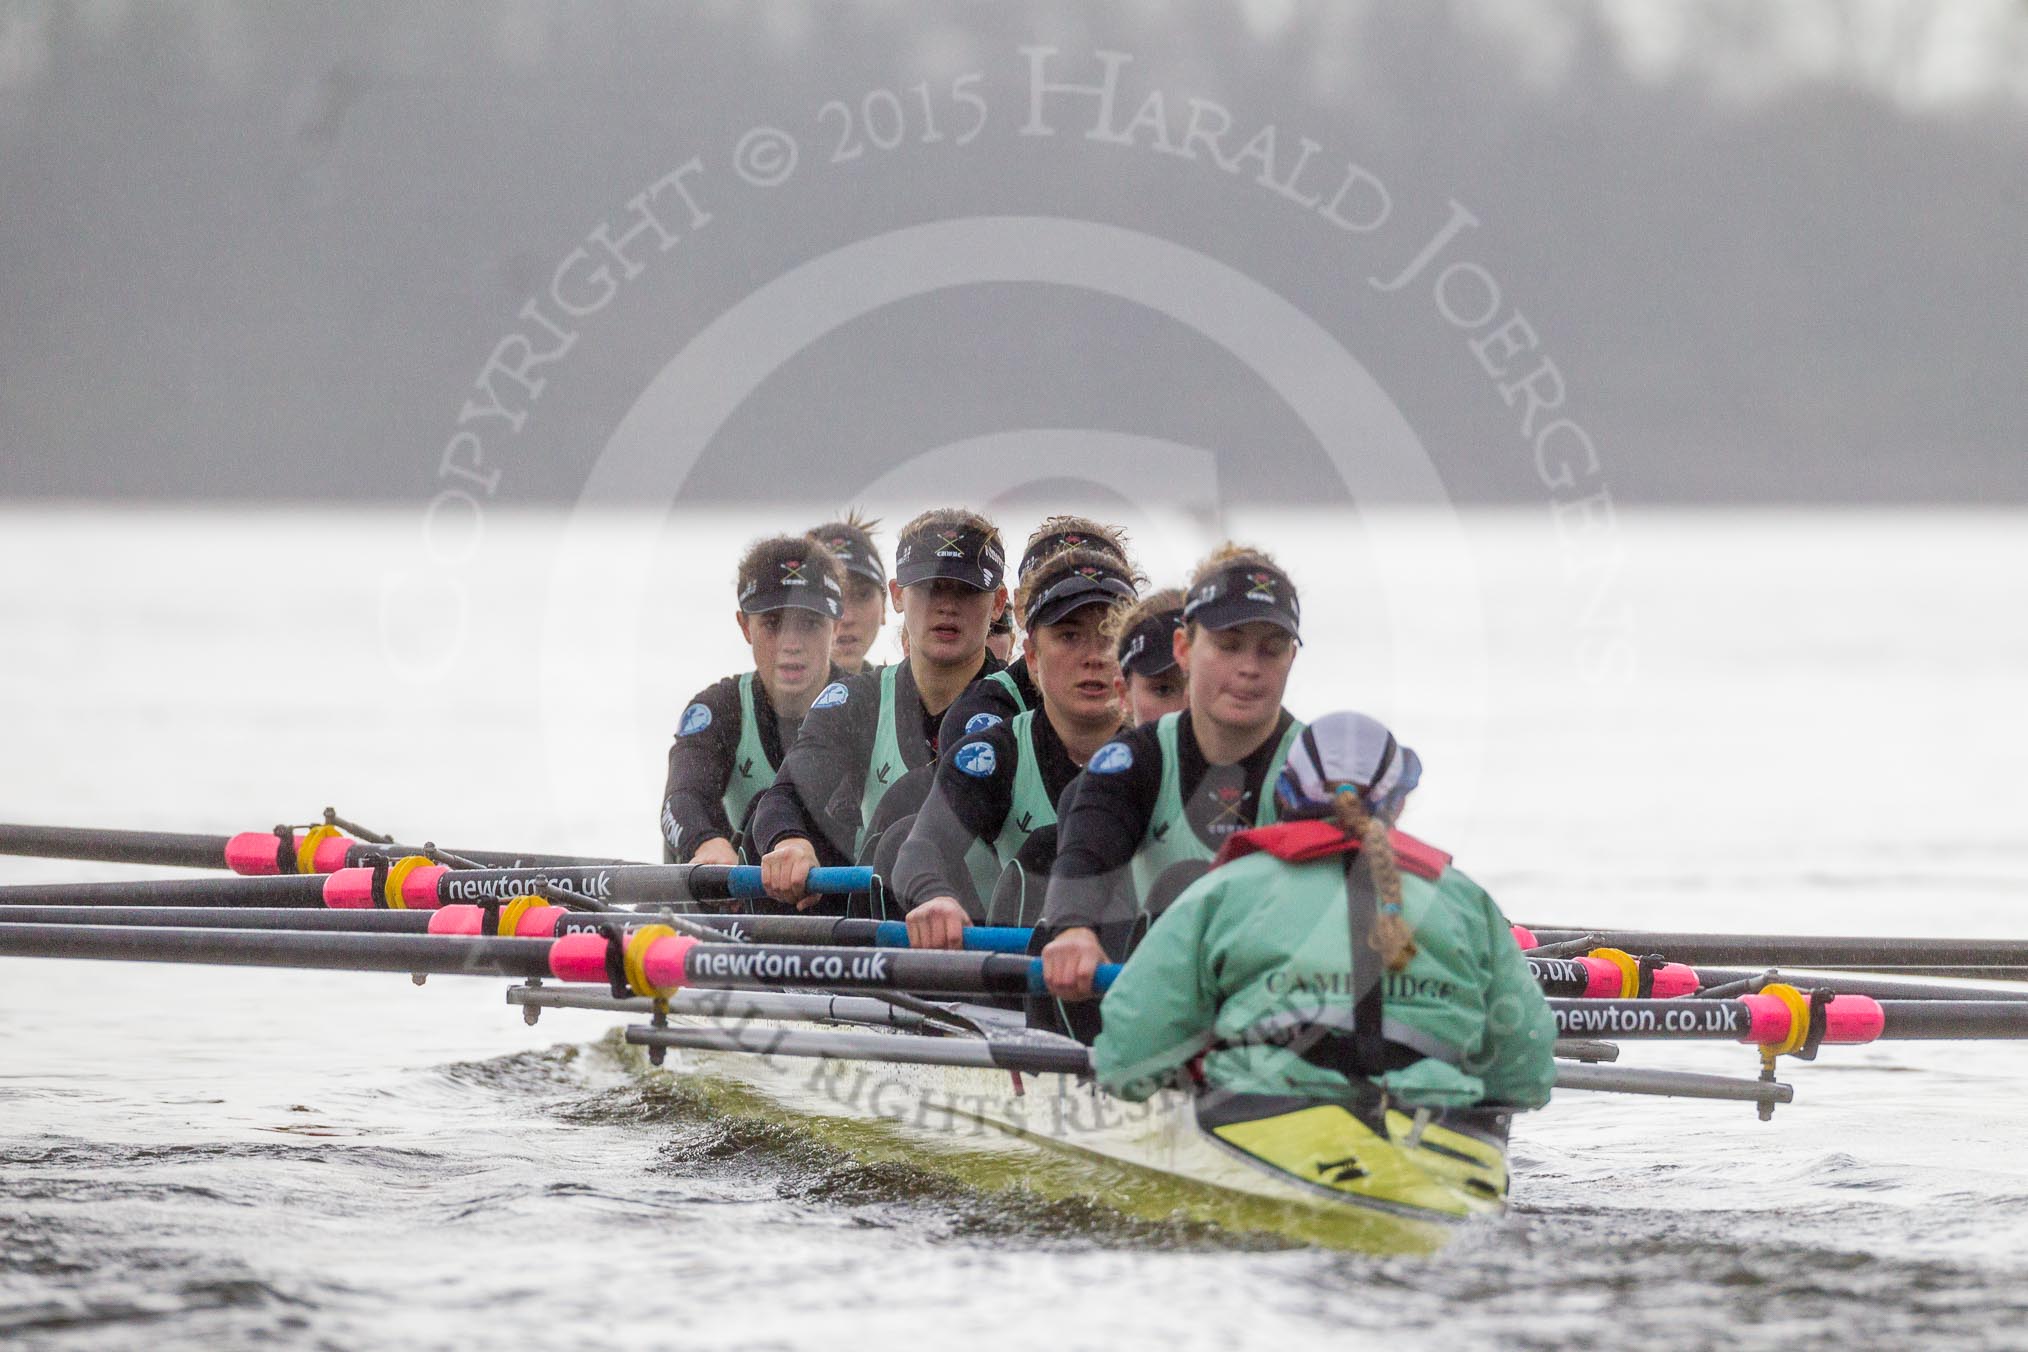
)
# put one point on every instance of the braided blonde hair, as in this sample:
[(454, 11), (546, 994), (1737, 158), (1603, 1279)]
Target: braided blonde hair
[(1392, 937)]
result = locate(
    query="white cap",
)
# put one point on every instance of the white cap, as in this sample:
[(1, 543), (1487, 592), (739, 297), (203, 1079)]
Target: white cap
[(1347, 748)]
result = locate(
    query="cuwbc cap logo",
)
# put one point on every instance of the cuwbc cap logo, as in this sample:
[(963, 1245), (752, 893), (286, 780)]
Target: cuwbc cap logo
[(830, 697), (695, 719), (977, 759), (980, 722)]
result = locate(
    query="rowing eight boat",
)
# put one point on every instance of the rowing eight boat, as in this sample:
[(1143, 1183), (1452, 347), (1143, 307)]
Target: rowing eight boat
[(1372, 1177)]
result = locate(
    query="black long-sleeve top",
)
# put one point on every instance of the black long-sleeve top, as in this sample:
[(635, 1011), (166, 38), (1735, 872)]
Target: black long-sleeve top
[(701, 763), (990, 698), (1109, 814), (964, 806), (817, 791)]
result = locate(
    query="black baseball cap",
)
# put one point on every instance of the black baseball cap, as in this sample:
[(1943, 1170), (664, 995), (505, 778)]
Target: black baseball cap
[(1241, 593), (793, 585), (854, 549), (1054, 543), (962, 553), (1148, 649), (1086, 584)]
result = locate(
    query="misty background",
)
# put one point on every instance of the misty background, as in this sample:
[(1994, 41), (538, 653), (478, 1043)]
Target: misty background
[(263, 252)]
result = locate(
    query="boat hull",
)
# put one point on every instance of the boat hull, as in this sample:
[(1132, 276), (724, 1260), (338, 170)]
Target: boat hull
[(1360, 1177)]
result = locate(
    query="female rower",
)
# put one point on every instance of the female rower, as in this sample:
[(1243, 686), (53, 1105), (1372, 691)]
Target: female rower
[(1002, 695), (993, 699), (866, 731), (732, 735), (1331, 954), (851, 543), (1154, 805), (1000, 636), (1150, 682), (998, 787)]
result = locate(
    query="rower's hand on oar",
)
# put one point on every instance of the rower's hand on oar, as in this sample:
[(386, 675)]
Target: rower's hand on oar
[(717, 850), (1070, 961), (937, 923), (786, 869)]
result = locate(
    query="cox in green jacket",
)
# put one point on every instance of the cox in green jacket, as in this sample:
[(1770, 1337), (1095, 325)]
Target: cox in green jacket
[(1262, 944)]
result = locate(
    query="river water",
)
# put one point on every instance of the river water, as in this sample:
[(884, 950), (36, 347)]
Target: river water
[(1737, 720)]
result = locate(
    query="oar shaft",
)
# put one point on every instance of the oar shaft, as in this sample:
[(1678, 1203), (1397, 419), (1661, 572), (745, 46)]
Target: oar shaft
[(431, 885), (1848, 984), (620, 885), (817, 929), (1574, 977), (1803, 950), (259, 854), (1767, 1020), (257, 851), (664, 962), (169, 849), (1952, 1020), (674, 962), (302, 891), (1680, 1019), (1954, 973), (256, 948), (223, 917)]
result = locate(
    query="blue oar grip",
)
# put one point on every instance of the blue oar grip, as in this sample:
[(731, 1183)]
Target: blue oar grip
[(997, 938), (978, 938), (1101, 980), (744, 880)]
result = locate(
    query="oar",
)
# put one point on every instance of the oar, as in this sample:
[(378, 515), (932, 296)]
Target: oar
[(647, 961), (1593, 978), (248, 852), (619, 885), (178, 892), (1804, 950), (537, 921), (811, 929), (423, 886), (745, 929), (1767, 1020), (228, 917), (1954, 973), (1581, 978), (1586, 977), (1718, 981)]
